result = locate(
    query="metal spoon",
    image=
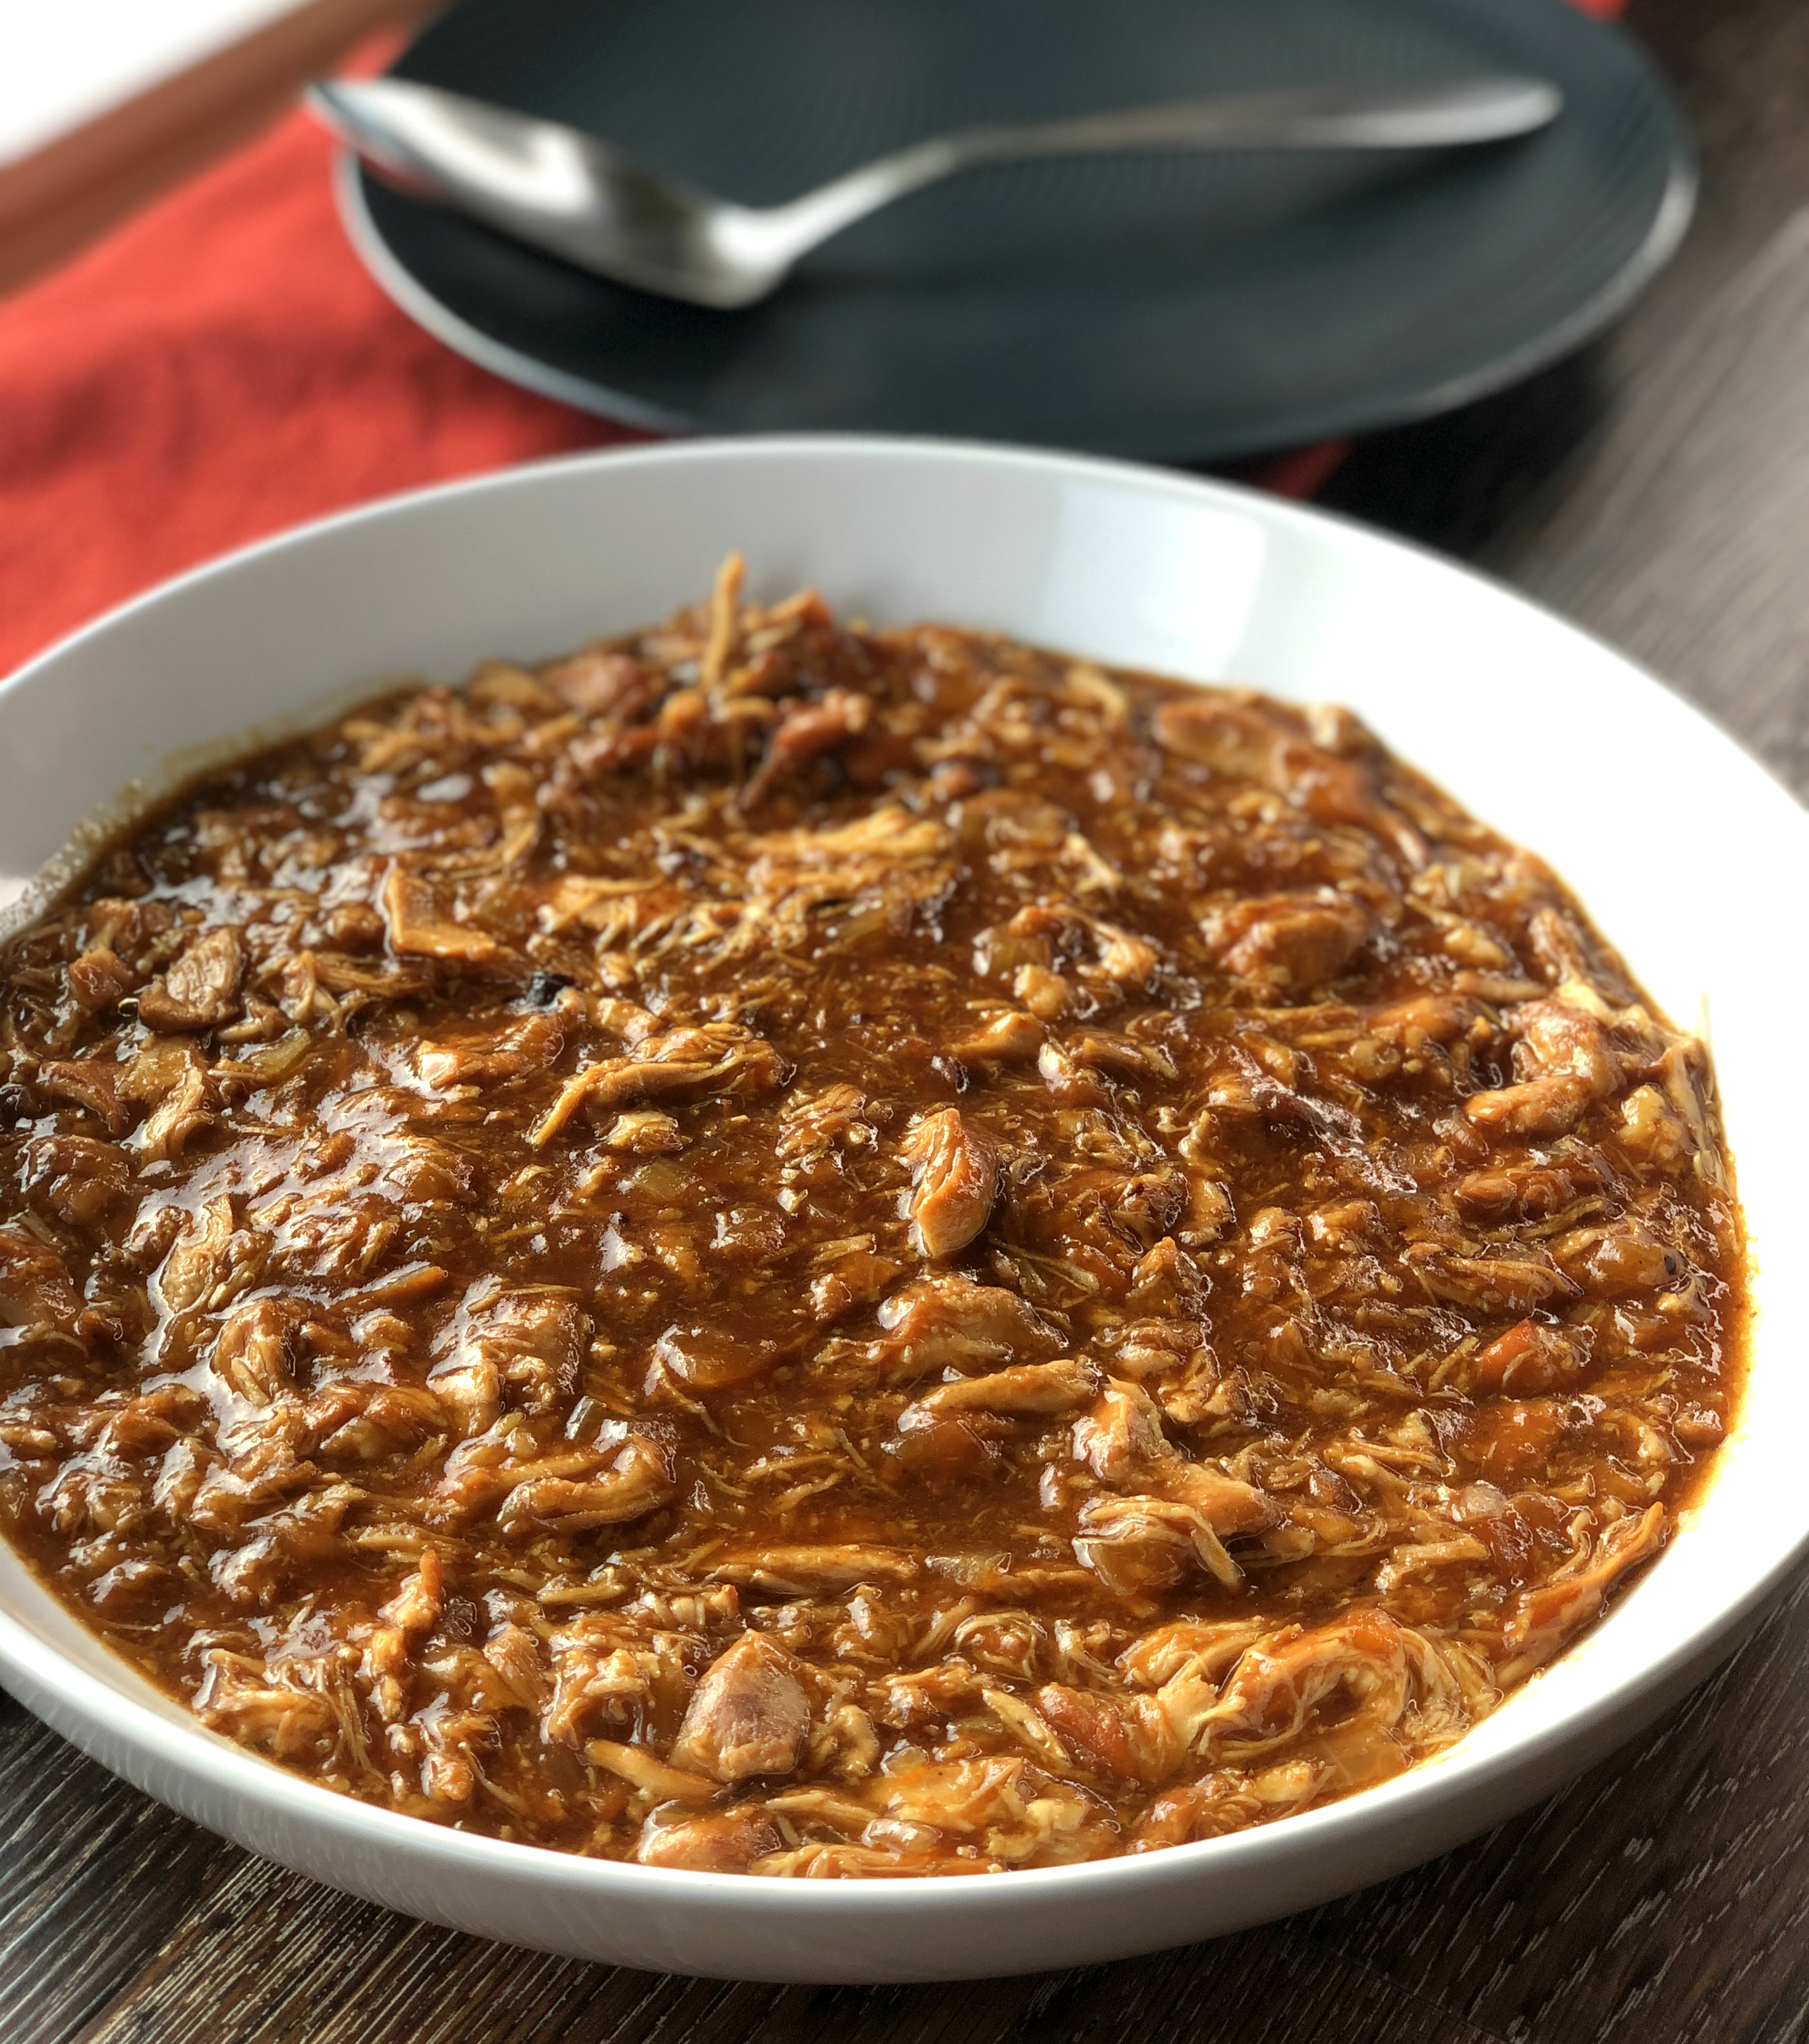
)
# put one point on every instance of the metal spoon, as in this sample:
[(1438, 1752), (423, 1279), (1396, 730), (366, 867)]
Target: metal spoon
[(567, 192)]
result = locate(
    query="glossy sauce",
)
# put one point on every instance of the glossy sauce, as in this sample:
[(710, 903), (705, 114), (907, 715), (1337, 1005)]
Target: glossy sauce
[(788, 1249)]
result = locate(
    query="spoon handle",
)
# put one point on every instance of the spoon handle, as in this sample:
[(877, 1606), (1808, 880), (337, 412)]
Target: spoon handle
[(1451, 112)]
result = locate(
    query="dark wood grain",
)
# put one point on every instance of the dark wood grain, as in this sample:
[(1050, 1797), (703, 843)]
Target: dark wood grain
[(350, 1975), (1663, 1897), (1685, 534), (73, 1843), (1740, 71), (1658, 489)]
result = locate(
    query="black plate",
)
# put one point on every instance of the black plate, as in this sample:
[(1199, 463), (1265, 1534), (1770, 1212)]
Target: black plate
[(1172, 307)]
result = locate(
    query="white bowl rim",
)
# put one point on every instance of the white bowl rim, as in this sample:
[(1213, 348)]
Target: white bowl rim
[(1455, 1774)]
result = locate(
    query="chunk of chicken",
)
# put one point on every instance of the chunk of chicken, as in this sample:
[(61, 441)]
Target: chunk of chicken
[(647, 1771), (1275, 1687), (1349, 1703), (101, 980), (1102, 1732), (1208, 1808), (200, 991), (817, 1123), (1420, 1020), (639, 1480), (1229, 1505), (1166, 1284), (604, 684), (713, 1059), (201, 1267), (955, 1181), (598, 1678), (1182, 1648), (1487, 1284), (1012, 1810), (949, 1322), (1011, 1037), (645, 1132), (36, 1288), (275, 1713), (1617, 1259), (418, 1604), (1556, 1036), (1652, 1132), (1689, 1089), (530, 1345), (1027, 1389), (805, 888), (492, 1051), (1530, 1359), (725, 1842), (1531, 1188), (1122, 1441), (1541, 1619), (1215, 730), (1101, 951), (1125, 1057), (170, 1077), (749, 1714), (251, 1355), (1563, 1059), (806, 731), (1138, 1544), (92, 1083), (1533, 1109), (1122, 1435), (810, 1571), (706, 1358), (75, 1178), (1147, 1737), (417, 927), (1290, 942)]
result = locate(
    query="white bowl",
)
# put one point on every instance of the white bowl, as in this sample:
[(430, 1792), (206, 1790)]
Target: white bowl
[(1682, 847)]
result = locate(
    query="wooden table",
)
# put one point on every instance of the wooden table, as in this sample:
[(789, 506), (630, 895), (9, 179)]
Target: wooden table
[(1655, 488)]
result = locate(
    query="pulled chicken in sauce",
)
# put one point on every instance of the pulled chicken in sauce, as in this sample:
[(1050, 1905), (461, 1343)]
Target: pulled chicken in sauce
[(788, 1249)]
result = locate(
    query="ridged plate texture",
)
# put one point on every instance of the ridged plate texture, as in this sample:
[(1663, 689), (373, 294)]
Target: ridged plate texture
[(1176, 307)]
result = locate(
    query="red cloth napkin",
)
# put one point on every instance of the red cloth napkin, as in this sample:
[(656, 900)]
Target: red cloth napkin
[(222, 367), (219, 369)]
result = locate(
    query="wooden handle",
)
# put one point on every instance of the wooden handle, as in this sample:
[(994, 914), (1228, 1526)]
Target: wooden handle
[(62, 196)]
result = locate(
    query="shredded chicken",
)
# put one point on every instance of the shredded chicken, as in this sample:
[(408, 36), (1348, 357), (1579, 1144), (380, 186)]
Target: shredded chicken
[(817, 1253)]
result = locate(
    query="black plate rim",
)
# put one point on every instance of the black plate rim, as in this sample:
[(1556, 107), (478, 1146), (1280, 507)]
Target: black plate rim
[(406, 291), (1670, 221)]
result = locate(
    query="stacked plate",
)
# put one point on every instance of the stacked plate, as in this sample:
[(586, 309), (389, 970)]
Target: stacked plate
[(1171, 306)]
